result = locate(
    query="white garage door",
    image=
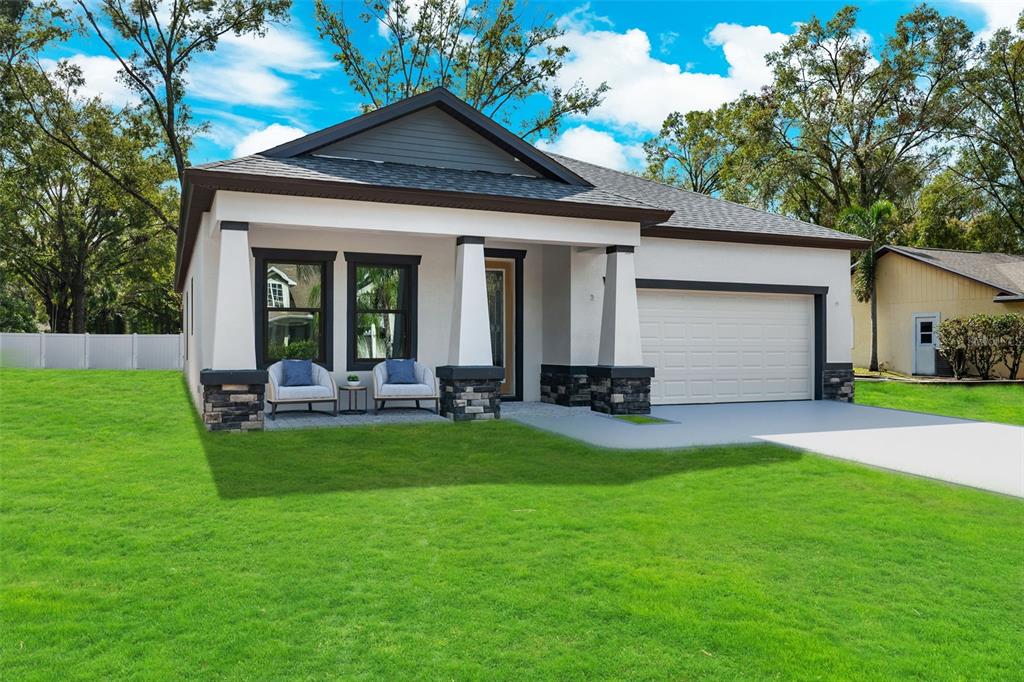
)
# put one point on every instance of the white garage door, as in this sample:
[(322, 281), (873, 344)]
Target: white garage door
[(718, 347)]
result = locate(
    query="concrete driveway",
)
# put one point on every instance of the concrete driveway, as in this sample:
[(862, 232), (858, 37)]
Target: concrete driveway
[(977, 454)]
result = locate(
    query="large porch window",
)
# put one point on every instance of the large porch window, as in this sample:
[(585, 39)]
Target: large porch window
[(293, 303), (382, 295)]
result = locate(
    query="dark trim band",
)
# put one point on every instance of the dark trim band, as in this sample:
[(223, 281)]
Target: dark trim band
[(505, 253), (459, 241), (470, 372), (620, 248), (621, 372), (736, 236), (565, 369), (234, 225), (295, 254), (381, 258), (219, 377), (838, 365), (743, 287)]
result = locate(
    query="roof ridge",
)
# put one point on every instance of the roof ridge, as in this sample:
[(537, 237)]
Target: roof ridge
[(690, 192), (970, 251)]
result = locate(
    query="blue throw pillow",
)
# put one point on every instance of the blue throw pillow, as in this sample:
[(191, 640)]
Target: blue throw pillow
[(297, 373), (402, 372)]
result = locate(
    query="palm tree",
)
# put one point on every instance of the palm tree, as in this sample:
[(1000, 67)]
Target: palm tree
[(874, 223)]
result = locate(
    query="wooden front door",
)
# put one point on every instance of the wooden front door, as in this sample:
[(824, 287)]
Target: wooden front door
[(501, 291)]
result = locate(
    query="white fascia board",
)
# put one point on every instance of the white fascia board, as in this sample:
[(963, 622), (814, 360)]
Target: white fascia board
[(270, 210)]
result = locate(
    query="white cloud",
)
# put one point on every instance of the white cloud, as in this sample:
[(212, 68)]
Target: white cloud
[(644, 89), (596, 146), (248, 69), (998, 14), (265, 138), (100, 74)]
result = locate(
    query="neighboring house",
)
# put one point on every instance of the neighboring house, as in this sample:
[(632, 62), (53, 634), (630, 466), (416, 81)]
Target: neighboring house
[(918, 288), (435, 233)]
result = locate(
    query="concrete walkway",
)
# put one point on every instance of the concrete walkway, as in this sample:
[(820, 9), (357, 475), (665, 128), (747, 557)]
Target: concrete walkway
[(977, 454)]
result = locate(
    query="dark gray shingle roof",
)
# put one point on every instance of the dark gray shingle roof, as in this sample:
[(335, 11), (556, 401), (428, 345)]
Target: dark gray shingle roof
[(999, 270), (694, 210), (406, 176), (611, 188)]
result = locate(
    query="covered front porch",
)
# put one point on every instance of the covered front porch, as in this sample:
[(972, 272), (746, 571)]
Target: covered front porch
[(498, 320)]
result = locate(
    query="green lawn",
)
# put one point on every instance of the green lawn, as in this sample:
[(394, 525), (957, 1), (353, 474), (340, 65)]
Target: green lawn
[(994, 402), (135, 545)]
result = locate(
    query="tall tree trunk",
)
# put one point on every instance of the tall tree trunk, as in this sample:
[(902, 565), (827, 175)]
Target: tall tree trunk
[(874, 327), (78, 302)]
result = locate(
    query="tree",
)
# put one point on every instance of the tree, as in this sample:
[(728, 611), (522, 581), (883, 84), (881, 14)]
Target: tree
[(993, 135), (16, 314), (65, 226), (848, 127), (874, 223), (479, 50), (163, 39), (692, 150)]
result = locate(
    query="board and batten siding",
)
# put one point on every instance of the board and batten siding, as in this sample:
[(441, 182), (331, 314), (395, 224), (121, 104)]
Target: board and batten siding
[(906, 287), (428, 138)]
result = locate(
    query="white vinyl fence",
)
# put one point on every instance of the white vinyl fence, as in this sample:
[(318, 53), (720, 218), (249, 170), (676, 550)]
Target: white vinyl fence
[(92, 351)]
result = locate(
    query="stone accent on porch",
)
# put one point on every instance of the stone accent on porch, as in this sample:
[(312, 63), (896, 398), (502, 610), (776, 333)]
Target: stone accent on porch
[(566, 385), (233, 399), (837, 384), (621, 390), (470, 393)]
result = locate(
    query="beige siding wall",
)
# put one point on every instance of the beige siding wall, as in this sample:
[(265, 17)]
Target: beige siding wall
[(906, 287)]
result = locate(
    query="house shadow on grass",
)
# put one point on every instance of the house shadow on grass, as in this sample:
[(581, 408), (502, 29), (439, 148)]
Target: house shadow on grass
[(425, 455)]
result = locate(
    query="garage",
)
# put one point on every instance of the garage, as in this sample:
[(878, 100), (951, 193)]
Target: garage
[(711, 347)]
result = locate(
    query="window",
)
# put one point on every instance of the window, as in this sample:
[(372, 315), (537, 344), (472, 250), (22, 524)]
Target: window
[(293, 317), (381, 308), (926, 332)]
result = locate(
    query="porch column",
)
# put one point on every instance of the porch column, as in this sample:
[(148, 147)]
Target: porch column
[(470, 384), (233, 387), (620, 384)]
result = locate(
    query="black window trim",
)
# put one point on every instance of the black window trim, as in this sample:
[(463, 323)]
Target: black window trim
[(326, 260), (355, 259), (517, 256)]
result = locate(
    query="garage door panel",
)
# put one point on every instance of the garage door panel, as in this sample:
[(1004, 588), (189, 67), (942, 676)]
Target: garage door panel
[(711, 347)]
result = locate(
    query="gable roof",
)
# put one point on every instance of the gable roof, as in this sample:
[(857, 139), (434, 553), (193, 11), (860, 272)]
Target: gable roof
[(1001, 271), (451, 105), (566, 187), (700, 216)]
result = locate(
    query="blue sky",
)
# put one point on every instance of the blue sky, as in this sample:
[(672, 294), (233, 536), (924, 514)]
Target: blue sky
[(657, 56)]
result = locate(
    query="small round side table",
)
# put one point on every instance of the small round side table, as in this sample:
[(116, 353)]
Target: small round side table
[(353, 399)]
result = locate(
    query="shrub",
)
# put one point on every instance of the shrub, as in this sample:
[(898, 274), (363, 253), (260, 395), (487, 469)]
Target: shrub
[(954, 342), (1010, 341), (296, 350), (983, 350)]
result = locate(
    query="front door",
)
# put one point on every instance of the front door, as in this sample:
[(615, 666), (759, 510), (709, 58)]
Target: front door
[(501, 306), (926, 328)]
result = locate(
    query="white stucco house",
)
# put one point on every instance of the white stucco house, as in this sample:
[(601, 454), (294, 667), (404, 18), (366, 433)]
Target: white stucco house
[(426, 230)]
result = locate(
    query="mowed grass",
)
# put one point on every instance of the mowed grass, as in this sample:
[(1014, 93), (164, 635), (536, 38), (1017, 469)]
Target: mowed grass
[(136, 545), (992, 402)]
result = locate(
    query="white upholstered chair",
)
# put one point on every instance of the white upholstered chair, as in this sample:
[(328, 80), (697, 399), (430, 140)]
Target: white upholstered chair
[(323, 390), (424, 389)]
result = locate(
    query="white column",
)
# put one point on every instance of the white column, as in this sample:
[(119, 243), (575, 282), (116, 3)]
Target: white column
[(620, 317), (471, 331), (234, 332)]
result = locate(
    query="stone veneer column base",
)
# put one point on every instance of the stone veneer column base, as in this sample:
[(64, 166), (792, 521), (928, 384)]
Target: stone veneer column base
[(837, 383), (567, 385), (233, 399), (620, 390), (470, 393)]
